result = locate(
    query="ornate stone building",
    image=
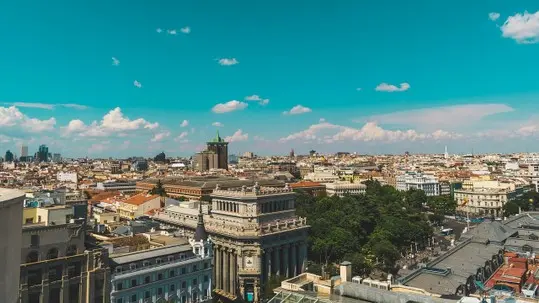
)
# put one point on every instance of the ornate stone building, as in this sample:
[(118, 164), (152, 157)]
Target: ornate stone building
[(255, 232)]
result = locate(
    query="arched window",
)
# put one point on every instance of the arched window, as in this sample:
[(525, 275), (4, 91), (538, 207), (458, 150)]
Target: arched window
[(52, 253), (32, 257), (71, 250)]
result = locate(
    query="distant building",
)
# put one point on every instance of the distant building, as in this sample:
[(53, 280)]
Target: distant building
[(412, 180), (248, 155), (115, 168), (67, 177), (290, 167), (314, 189), (56, 158), (485, 197), (140, 165), (214, 157), (11, 202), (24, 150), (126, 187), (9, 156), (161, 157), (42, 154), (138, 205), (345, 188)]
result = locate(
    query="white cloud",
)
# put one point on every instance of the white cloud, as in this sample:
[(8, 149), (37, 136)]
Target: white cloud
[(137, 84), (186, 30), (445, 117), (184, 123), (329, 133), (228, 61), (182, 136), (75, 106), (322, 120), (159, 30), (115, 61), (237, 136), (160, 136), (113, 123), (494, 16), (32, 105), (98, 147), (297, 110), (385, 87), (524, 28), (172, 32), (260, 100), (12, 116), (229, 106), (217, 124)]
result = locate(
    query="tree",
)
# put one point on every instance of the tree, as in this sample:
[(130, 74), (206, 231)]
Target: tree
[(158, 189), (510, 208)]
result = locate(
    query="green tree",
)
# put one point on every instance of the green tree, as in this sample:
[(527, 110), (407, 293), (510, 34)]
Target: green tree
[(158, 189), (510, 208)]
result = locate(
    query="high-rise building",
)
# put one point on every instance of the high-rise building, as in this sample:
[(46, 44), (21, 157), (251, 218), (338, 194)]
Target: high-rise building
[(220, 148), (24, 150), (56, 158), (11, 202), (214, 157), (9, 156), (43, 153)]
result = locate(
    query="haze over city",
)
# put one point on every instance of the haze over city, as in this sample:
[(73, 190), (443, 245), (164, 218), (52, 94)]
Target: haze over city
[(126, 78)]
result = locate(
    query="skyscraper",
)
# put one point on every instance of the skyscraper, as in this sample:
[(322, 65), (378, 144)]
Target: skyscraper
[(9, 156), (43, 153), (220, 148), (24, 151)]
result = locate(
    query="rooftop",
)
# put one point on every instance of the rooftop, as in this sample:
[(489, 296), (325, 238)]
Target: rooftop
[(150, 253), (10, 194)]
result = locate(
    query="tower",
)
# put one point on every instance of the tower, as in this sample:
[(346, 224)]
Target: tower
[(446, 155), (220, 148), (201, 242)]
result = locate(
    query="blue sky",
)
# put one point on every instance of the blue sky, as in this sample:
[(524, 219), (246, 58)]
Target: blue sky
[(454, 73)]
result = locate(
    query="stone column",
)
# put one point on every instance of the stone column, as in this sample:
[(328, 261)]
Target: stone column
[(269, 258), (293, 259), (218, 280), (231, 272), (303, 256), (286, 260), (226, 270), (277, 255)]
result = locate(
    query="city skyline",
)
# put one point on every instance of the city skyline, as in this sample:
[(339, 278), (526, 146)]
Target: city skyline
[(372, 78)]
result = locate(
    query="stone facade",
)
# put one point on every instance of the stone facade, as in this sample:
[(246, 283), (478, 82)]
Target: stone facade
[(256, 234)]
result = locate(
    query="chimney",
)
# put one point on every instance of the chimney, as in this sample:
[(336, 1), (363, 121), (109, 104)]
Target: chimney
[(346, 271)]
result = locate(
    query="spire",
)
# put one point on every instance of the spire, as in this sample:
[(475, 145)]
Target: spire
[(200, 232)]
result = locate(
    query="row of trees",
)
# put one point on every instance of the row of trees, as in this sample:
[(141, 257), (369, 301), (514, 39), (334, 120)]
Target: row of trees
[(373, 230), (528, 201)]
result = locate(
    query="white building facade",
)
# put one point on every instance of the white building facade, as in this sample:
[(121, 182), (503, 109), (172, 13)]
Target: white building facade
[(345, 188), (411, 180)]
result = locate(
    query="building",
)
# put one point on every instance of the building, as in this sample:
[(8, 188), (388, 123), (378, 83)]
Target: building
[(55, 265), (126, 187), (175, 273), (139, 165), (200, 188), (314, 189), (283, 166), (345, 188), (24, 150), (11, 204), (137, 206), (256, 235), (214, 157), (56, 158), (485, 197), (9, 156), (412, 180), (67, 177), (42, 154)]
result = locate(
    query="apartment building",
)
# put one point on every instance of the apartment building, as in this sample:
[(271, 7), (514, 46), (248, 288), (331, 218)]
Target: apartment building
[(137, 205), (345, 188), (485, 197), (413, 180)]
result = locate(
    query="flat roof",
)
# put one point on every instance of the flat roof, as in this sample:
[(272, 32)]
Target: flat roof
[(150, 253), (7, 194)]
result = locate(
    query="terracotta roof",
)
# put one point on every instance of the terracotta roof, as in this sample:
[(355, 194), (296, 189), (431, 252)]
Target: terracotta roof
[(104, 196), (305, 184), (140, 199)]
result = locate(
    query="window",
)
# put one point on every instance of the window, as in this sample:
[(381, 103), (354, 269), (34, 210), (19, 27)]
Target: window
[(119, 300), (118, 269), (147, 295), (195, 296), (29, 220), (206, 278), (38, 219), (184, 285), (159, 291), (34, 241), (133, 282), (172, 273), (145, 263), (52, 253), (205, 265), (184, 299), (133, 266), (170, 258), (172, 287), (194, 268), (71, 250), (158, 261), (134, 298), (194, 281), (183, 270), (159, 276), (147, 279), (32, 257), (119, 286)]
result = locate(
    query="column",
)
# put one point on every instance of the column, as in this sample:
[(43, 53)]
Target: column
[(226, 270), (218, 279), (232, 272), (303, 256), (269, 258), (294, 261), (277, 263), (286, 260)]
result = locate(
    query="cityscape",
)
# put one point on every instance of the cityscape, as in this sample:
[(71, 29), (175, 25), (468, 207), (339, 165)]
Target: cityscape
[(250, 152)]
